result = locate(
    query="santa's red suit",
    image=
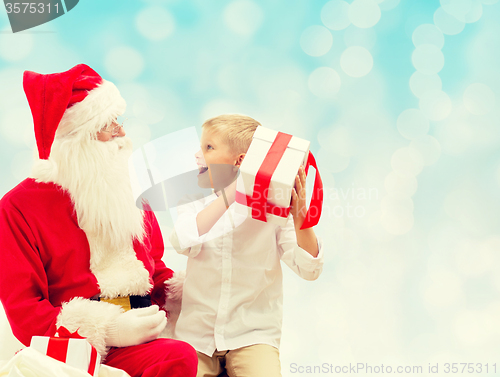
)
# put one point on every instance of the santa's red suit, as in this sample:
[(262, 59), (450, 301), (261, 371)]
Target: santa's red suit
[(55, 260)]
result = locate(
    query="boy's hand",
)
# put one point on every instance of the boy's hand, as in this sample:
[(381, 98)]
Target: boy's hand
[(306, 238), (299, 208)]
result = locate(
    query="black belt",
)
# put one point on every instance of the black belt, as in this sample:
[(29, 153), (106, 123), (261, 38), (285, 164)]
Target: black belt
[(127, 302)]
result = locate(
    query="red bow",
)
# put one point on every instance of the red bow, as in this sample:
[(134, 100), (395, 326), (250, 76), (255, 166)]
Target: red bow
[(63, 332)]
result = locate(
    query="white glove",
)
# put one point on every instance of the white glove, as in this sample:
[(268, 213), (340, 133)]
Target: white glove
[(136, 326)]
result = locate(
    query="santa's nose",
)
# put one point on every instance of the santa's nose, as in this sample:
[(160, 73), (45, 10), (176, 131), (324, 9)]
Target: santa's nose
[(121, 132)]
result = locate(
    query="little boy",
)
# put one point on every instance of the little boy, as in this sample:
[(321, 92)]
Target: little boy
[(233, 297)]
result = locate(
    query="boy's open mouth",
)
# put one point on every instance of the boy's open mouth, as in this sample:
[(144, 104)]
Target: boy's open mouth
[(202, 169)]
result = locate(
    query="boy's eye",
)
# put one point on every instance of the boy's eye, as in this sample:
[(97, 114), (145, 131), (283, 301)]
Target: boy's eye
[(209, 146)]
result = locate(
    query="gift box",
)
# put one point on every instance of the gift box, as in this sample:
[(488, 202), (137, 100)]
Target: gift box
[(69, 348), (267, 176)]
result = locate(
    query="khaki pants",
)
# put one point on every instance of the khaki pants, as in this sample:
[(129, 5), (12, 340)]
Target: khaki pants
[(259, 360)]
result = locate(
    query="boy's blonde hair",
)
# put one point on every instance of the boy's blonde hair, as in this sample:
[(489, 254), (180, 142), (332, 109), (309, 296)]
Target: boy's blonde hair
[(236, 130)]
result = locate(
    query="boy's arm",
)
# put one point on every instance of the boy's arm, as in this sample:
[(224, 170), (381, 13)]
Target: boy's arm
[(195, 221), (207, 218), (294, 256), (306, 238), (299, 248), (184, 237)]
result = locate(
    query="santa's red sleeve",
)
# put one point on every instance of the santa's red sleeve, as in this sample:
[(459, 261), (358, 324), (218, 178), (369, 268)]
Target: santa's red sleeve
[(25, 286), (161, 272), (23, 282)]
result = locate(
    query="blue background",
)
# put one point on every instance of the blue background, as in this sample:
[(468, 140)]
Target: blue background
[(411, 168)]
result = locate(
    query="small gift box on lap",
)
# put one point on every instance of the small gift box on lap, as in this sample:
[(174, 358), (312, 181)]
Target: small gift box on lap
[(69, 348), (267, 176)]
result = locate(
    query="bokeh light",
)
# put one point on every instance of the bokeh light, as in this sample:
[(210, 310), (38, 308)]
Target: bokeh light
[(14, 123), (356, 61), (11, 93), (360, 37), (364, 13), (21, 164), (428, 147), (426, 34), (441, 288), (244, 17), (406, 161), (124, 63), (476, 259), (412, 124), (463, 10), (316, 40), (332, 161), (420, 83), (334, 15), (400, 186), (15, 47), (479, 99), (397, 204), (498, 174), (455, 136), (435, 105), (324, 82), (155, 23), (339, 139), (386, 5), (150, 110), (447, 23), (468, 208), (428, 59), (138, 131), (397, 223), (220, 106), (473, 327)]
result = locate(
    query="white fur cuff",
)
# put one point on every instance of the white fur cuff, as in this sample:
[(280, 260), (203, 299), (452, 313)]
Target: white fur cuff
[(91, 318), (174, 285), (173, 302)]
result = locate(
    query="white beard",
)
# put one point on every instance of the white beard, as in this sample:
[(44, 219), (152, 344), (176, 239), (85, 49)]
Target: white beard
[(96, 176)]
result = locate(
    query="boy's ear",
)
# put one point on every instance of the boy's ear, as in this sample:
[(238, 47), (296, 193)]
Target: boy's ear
[(239, 159)]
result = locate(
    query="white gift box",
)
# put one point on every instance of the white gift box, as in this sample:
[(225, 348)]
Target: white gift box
[(283, 176), (77, 353)]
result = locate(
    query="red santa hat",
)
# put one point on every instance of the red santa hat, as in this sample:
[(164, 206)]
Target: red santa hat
[(78, 102)]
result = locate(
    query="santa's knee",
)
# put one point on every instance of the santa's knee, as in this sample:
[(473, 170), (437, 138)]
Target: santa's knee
[(186, 352), (181, 352)]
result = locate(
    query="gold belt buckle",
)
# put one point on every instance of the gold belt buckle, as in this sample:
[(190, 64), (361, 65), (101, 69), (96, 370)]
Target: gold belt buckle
[(124, 302)]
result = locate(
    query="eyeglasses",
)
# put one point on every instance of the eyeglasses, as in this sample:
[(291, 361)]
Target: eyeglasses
[(115, 126)]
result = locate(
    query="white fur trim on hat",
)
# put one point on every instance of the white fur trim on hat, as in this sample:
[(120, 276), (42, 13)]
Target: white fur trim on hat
[(92, 319), (100, 107)]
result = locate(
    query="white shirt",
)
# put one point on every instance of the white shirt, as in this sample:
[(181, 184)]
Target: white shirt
[(233, 293)]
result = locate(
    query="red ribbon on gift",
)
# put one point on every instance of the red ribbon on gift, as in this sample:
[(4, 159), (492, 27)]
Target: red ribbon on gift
[(258, 201), (58, 347), (272, 209), (312, 219), (264, 175), (63, 332)]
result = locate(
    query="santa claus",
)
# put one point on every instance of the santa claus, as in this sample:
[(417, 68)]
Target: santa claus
[(75, 250)]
